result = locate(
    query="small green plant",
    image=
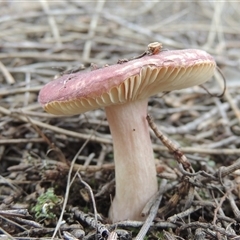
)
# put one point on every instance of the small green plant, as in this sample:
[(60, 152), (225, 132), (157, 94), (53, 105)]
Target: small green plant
[(47, 206)]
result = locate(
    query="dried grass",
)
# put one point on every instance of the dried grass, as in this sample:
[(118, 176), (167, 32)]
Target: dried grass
[(40, 39)]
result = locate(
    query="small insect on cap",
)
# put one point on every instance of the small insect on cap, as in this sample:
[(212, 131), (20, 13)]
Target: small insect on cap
[(129, 81)]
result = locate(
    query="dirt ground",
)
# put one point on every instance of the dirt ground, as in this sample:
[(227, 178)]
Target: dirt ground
[(57, 173)]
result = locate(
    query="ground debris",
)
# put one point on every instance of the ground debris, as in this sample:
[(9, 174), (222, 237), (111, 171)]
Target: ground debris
[(199, 164)]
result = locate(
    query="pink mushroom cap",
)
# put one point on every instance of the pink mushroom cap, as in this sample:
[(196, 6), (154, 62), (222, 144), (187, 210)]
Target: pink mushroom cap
[(117, 84)]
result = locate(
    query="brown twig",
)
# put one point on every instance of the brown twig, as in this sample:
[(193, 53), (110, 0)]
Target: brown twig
[(180, 157), (152, 49)]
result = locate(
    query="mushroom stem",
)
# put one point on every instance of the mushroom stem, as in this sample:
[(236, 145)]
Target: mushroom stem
[(135, 171)]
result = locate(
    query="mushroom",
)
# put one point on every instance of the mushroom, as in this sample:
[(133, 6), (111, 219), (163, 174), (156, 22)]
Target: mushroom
[(123, 90)]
